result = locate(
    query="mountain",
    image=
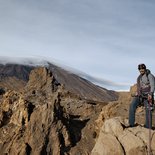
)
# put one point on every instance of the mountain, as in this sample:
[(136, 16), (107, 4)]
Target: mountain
[(14, 76), (72, 82), (45, 118), (15, 70)]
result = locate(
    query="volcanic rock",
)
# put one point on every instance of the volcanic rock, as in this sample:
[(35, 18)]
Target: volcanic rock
[(116, 138), (45, 118), (15, 77)]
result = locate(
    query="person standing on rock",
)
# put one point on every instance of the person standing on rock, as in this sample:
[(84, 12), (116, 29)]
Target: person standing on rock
[(144, 94)]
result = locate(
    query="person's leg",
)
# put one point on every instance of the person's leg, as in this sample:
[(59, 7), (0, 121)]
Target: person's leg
[(148, 115), (132, 110)]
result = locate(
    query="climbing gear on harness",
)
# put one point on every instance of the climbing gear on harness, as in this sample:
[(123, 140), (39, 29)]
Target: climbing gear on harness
[(143, 97)]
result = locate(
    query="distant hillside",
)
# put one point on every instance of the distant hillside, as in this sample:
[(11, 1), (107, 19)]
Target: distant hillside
[(62, 121), (15, 70), (82, 86), (71, 82)]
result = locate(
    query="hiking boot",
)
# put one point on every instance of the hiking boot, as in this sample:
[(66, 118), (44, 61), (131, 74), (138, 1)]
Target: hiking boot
[(131, 126), (147, 127)]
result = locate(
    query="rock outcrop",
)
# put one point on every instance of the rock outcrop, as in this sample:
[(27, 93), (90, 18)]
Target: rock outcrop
[(15, 76), (116, 138), (45, 118)]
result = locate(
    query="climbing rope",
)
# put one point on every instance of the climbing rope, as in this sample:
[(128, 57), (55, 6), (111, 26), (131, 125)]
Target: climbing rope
[(149, 144)]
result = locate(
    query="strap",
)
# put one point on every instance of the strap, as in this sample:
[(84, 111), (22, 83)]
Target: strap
[(138, 85)]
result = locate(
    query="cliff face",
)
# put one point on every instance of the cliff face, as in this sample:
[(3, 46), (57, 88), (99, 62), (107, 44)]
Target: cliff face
[(45, 118)]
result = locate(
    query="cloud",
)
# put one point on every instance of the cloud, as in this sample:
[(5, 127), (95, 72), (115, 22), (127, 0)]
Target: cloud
[(105, 83), (31, 61), (109, 84), (67, 27)]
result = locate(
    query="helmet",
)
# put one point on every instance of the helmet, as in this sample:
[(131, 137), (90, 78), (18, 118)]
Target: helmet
[(141, 66)]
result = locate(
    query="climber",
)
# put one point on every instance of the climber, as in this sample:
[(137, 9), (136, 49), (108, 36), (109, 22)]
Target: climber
[(144, 94)]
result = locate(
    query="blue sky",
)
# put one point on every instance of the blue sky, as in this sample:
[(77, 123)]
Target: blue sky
[(104, 39)]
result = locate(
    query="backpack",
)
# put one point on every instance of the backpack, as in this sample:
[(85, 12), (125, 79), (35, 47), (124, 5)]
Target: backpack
[(139, 77), (147, 73)]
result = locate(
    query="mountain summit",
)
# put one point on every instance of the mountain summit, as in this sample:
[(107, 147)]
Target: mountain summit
[(72, 82)]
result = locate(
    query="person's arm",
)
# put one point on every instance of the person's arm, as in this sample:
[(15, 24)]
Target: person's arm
[(152, 89), (152, 83)]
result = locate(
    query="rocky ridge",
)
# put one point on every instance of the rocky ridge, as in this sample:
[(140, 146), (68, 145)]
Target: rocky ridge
[(45, 118), (114, 136), (16, 76)]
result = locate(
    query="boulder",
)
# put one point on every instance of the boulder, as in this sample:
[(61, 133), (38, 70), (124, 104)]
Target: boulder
[(115, 135), (132, 144), (107, 144), (113, 126)]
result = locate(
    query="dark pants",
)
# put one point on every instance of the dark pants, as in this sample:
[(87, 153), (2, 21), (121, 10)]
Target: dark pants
[(148, 112)]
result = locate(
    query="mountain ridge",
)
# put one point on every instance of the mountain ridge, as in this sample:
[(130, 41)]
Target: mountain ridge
[(71, 81), (45, 111)]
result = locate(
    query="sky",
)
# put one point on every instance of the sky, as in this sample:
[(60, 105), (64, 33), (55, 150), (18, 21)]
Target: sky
[(101, 40)]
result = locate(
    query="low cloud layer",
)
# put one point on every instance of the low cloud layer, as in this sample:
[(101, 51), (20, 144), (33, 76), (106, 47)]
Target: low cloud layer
[(33, 61)]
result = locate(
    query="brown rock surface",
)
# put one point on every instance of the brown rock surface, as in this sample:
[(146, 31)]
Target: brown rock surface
[(12, 83), (107, 144), (113, 120), (115, 136), (45, 118), (133, 90), (72, 82)]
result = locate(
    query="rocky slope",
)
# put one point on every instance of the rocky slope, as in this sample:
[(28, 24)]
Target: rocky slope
[(45, 118), (81, 86), (113, 134), (15, 70), (72, 82), (116, 139), (14, 76)]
